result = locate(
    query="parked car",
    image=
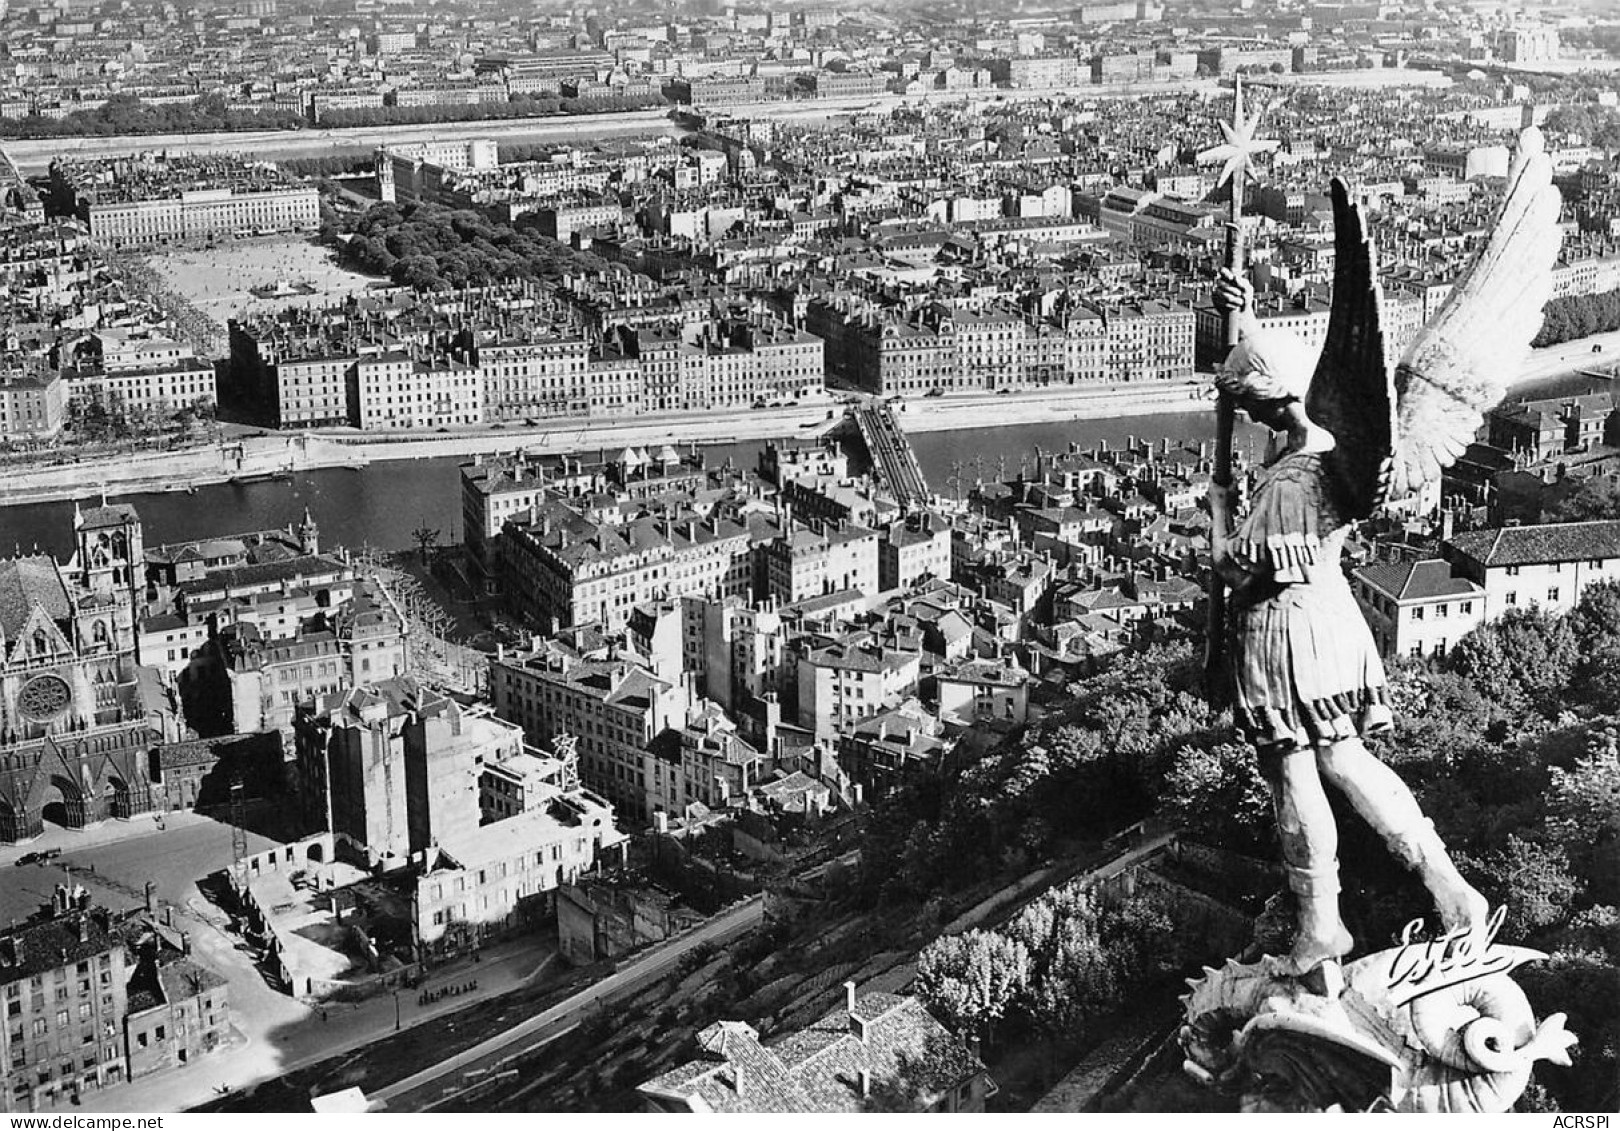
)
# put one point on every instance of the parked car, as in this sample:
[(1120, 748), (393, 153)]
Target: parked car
[(39, 857)]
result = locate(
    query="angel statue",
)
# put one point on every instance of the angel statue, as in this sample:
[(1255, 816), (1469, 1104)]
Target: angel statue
[(1306, 680)]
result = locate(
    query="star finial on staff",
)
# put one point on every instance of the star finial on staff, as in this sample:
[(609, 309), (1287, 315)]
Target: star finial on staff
[(1241, 145)]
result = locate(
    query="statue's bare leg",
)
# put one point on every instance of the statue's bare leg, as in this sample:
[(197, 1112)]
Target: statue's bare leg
[(1310, 845), (1385, 802)]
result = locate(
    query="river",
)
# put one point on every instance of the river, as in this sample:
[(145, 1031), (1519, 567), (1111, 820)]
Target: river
[(381, 504)]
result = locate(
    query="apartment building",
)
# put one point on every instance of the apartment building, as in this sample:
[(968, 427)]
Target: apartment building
[(397, 390), (489, 879), (565, 569), (33, 406), (1548, 566), (395, 766), (841, 684), (1417, 608), (615, 707), (802, 562)]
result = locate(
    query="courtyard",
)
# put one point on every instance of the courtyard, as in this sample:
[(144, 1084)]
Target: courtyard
[(221, 281)]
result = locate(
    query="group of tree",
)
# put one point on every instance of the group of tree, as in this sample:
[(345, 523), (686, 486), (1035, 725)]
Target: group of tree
[(335, 165), (1598, 37), (521, 107), (1091, 767), (128, 114), (1063, 965), (433, 248), (1594, 124), (518, 106), (1577, 316), (111, 420), (1596, 498), (1511, 743)]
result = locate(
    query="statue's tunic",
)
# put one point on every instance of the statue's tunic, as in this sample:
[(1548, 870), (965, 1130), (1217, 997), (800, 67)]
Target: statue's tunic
[(1306, 670)]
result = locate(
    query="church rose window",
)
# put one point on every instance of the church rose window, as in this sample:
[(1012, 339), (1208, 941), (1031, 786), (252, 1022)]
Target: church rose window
[(44, 697)]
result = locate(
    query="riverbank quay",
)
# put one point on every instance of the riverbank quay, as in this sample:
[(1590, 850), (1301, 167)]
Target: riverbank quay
[(274, 454)]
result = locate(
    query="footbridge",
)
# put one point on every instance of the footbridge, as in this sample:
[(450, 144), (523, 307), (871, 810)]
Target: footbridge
[(893, 460)]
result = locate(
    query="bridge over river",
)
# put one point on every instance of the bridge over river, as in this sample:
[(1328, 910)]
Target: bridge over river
[(893, 460)]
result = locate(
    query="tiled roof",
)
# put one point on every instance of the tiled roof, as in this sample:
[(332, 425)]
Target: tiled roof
[(52, 944), (1536, 545), (1416, 580), (112, 514), (819, 1069), (264, 573), (26, 582)]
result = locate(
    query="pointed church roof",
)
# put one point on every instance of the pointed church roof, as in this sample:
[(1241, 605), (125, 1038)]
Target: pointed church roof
[(28, 582), (108, 514)]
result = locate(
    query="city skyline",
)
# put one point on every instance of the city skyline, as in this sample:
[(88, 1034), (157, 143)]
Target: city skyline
[(628, 704)]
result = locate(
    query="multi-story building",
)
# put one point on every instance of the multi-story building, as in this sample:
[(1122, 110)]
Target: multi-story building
[(912, 549), (983, 692), (1546, 429), (33, 406), (743, 652), (395, 767), (1417, 608), (504, 875), (802, 562), (93, 1002), (1033, 72), (616, 707), (397, 390), (265, 657), (1150, 341), (155, 199), (565, 569), (1547, 566), (883, 750), (711, 765), (841, 684), (66, 986), (1529, 45), (532, 379)]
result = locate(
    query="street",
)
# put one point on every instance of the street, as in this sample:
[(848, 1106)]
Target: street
[(423, 1089)]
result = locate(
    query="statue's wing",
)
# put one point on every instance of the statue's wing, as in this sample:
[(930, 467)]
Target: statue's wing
[(1460, 365), (1351, 394)]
